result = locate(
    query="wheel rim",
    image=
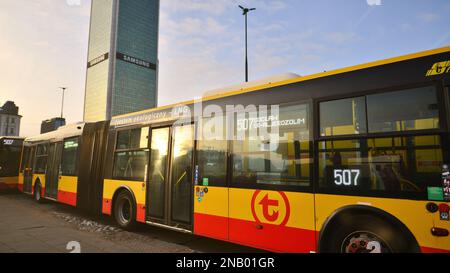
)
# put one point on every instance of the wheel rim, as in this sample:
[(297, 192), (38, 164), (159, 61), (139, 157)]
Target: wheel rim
[(364, 242), (125, 211)]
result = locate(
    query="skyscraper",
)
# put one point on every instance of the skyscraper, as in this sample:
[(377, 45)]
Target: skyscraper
[(122, 68)]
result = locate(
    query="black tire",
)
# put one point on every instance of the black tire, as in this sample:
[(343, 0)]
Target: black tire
[(342, 236), (125, 210), (37, 196)]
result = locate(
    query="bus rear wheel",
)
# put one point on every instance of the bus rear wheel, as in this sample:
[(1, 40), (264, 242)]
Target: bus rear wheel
[(125, 210), (367, 234)]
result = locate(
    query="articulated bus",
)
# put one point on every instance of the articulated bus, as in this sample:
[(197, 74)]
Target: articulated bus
[(10, 150), (63, 165), (349, 160)]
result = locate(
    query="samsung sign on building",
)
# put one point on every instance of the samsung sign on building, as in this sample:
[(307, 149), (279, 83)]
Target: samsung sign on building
[(98, 60), (134, 60), (123, 57)]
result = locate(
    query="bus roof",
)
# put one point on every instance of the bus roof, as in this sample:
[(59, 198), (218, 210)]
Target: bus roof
[(70, 130), (251, 84), (245, 88), (12, 137)]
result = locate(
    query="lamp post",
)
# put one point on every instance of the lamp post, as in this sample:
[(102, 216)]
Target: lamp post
[(62, 102), (245, 11)]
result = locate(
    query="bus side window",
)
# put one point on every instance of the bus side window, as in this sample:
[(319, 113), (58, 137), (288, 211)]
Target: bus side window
[(131, 155), (273, 148), (343, 117), (389, 164), (41, 158), (404, 110), (69, 157), (212, 152)]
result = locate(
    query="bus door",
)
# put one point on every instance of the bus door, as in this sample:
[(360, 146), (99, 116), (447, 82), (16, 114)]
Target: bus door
[(170, 186), (28, 168), (52, 174)]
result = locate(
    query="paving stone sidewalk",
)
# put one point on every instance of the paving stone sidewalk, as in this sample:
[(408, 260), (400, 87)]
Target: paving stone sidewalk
[(29, 227)]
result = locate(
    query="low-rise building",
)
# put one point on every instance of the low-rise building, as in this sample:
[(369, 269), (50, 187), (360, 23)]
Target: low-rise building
[(52, 124), (9, 119)]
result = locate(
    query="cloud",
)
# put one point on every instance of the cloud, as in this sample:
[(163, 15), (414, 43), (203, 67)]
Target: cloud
[(429, 17), (406, 27), (340, 37), (206, 52), (184, 78), (200, 53), (213, 26), (373, 2), (46, 48), (189, 26), (219, 7), (443, 40), (213, 7), (273, 6), (201, 46)]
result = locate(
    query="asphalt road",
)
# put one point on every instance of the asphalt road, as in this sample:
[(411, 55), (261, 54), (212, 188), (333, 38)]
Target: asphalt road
[(29, 227)]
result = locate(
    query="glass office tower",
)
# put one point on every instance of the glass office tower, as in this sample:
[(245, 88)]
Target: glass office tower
[(122, 68)]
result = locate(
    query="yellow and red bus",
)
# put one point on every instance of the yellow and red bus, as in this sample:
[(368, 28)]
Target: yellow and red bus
[(349, 160), (61, 165), (10, 151)]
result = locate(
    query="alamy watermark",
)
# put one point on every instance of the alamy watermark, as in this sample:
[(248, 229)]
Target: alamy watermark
[(374, 2), (261, 123), (73, 247)]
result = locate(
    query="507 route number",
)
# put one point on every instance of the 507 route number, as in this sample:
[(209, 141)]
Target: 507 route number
[(8, 141), (347, 177)]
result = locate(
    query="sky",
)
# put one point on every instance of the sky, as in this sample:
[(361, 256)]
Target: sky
[(43, 45)]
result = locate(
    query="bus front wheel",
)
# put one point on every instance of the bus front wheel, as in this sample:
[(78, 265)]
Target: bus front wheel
[(367, 234), (125, 210)]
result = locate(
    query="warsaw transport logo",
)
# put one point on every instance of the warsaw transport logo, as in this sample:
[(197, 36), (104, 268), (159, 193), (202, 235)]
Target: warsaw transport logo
[(270, 207), (439, 68)]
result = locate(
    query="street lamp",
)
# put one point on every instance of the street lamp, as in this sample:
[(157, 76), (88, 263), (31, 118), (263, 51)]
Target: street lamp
[(244, 12), (62, 102)]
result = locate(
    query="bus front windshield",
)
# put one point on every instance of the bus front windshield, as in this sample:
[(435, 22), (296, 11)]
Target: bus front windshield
[(9, 161)]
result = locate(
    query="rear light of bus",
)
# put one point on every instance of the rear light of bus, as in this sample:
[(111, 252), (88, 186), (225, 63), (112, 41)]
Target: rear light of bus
[(439, 232), (443, 208)]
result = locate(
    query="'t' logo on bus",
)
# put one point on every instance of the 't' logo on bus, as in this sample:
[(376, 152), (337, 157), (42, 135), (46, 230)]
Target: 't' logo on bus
[(270, 207)]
